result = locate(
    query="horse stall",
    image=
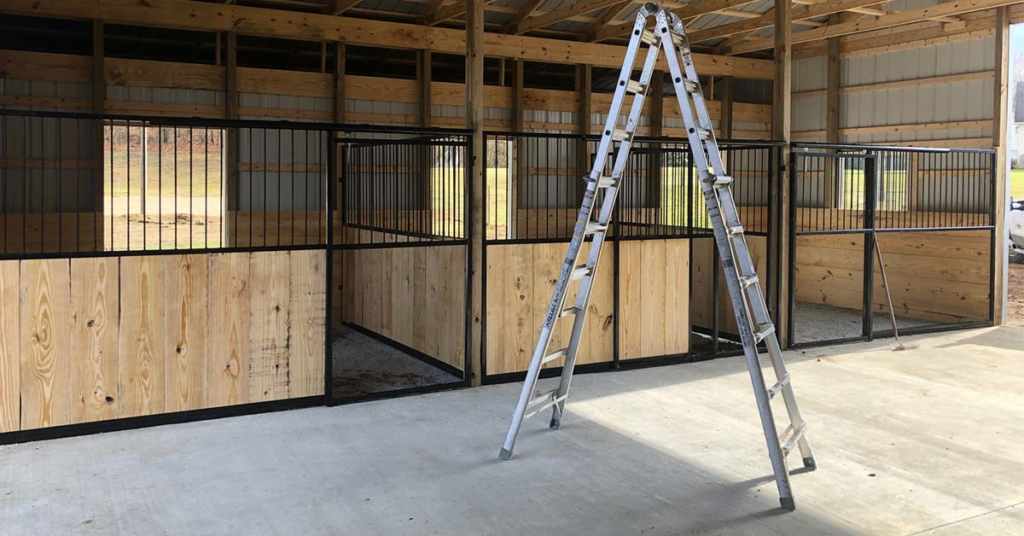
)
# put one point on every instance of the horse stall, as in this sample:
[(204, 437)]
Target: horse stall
[(656, 297), (918, 221), (145, 281), (399, 257)]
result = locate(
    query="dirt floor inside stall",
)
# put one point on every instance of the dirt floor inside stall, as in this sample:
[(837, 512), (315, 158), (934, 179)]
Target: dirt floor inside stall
[(814, 322), (364, 365)]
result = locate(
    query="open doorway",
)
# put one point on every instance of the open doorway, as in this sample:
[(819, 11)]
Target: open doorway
[(1015, 216)]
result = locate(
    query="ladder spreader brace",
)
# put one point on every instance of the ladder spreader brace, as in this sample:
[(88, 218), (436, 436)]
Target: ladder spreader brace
[(752, 319)]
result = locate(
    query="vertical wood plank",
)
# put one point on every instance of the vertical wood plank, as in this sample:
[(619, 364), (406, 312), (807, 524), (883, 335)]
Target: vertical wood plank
[(456, 284), (383, 291), (497, 309), (439, 313), (652, 303), (677, 296), (306, 357), (421, 299), (10, 346), (227, 378), (600, 313), (521, 324), (187, 327), (401, 308), (547, 262), (45, 364), (269, 278), (630, 301), (94, 336), (141, 337)]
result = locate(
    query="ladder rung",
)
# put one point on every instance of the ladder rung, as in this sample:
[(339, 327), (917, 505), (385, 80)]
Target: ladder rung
[(722, 181), (569, 311), (649, 38), (594, 227), (791, 438), (605, 181), (763, 332), (735, 230), (775, 389), (620, 134), (543, 402), (635, 87), (691, 86), (580, 272), (547, 396), (557, 355), (748, 280)]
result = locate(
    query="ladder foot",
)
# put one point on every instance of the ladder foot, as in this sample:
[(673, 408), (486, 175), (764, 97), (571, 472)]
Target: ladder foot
[(555, 423), (505, 454), (809, 464), (787, 503)]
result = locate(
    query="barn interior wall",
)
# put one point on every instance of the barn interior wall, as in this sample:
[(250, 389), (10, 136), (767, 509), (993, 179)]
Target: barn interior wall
[(935, 95)]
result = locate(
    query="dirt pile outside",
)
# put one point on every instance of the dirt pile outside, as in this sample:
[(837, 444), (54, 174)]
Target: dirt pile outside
[(1015, 310)]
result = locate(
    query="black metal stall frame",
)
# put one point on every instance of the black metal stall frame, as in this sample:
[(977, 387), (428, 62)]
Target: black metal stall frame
[(864, 179)]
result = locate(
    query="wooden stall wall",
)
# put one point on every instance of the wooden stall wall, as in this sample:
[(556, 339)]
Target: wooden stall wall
[(654, 287), (520, 281), (415, 296), (94, 339), (935, 276), (702, 303), (654, 302)]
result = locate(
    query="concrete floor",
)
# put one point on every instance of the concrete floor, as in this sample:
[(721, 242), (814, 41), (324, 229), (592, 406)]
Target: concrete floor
[(925, 441)]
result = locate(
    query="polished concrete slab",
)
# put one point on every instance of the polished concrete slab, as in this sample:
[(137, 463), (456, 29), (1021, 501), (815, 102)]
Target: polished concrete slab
[(923, 441)]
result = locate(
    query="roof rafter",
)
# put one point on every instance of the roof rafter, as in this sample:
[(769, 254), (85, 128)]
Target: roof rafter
[(337, 7), (518, 18), (954, 7), (768, 19), (580, 7), (685, 12)]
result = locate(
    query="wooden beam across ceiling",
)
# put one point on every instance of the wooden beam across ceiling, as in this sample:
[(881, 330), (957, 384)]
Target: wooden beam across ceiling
[(580, 7), (245, 20), (956, 7), (685, 12), (337, 7), (767, 20), (517, 19)]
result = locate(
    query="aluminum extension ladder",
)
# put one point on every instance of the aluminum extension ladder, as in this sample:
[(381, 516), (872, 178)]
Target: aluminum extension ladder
[(752, 319)]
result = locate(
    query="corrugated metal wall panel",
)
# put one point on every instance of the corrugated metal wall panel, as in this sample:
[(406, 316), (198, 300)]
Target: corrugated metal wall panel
[(925, 103)]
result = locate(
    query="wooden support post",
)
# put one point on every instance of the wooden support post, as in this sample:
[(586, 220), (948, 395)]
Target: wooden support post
[(232, 178), (424, 75), (584, 83), (99, 104), (832, 96), (501, 72), (519, 145), (1000, 126), (655, 121), (336, 176), (781, 130), (727, 88), (475, 121), (517, 95), (339, 82), (832, 92)]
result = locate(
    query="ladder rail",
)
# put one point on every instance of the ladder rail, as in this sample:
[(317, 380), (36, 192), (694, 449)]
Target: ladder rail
[(607, 209), (583, 217), (753, 319)]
